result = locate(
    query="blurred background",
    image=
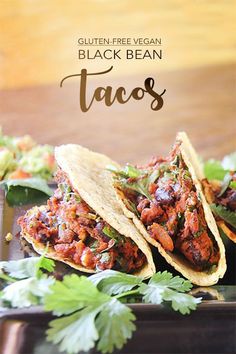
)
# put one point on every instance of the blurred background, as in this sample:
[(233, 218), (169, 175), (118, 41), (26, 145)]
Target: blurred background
[(38, 47)]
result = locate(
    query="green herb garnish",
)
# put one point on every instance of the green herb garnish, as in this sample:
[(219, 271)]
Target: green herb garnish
[(25, 191), (228, 216), (225, 184), (213, 170), (141, 185), (216, 170), (135, 179), (128, 171), (131, 206), (27, 282), (110, 232), (91, 312)]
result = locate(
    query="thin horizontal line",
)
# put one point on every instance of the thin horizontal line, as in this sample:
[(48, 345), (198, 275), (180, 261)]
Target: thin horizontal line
[(119, 45)]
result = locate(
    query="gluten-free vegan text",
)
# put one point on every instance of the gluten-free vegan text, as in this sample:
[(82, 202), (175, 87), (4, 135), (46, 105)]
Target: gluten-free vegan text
[(117, 49)]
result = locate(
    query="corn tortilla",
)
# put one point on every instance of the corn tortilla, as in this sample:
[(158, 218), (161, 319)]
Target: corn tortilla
[(86, 171), (201, 278)]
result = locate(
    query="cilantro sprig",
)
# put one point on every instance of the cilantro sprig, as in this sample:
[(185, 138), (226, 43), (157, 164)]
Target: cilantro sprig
[(25, 191), (25, 280), (163, 287), (110, 232), (221, 171), (89, 311), (93, 317), (137, 180), (228, 216)]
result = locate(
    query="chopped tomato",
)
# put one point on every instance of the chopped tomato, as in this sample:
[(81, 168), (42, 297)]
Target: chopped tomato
[(152, 188), (160, 234), (66, 250), (50, 160), (25, 143), (149, 214), (87, 258), (19, 174)]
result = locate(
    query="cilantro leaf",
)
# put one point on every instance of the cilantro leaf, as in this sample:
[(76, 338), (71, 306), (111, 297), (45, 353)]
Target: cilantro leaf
[(228, 216), (141, 178), (116, 171), (115, 325), (89, 315), (71, 294), (22, 268), (28, 267), (76, 332), (151, 294), (233, 184), (152, 177), (141, 185), (166, 279), (28, 284), (25, 191), (128, 171), (95, 316), (113, 282), (111, 322), (131, 171), (110, 232), (165, 287), (183, 303), (214, 170), (27, 292), (45, 264)]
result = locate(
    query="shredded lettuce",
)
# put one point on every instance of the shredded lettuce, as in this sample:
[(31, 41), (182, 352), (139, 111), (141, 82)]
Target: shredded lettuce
[(6, 161), (228, 216), (22, 154), (34, 161), (25, 191), (213, 170), (216, 170), (141, 178)]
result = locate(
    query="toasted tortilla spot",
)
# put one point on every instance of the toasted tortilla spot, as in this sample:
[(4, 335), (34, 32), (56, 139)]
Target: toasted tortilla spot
[(214, 293), (201, 278), (229, 233)]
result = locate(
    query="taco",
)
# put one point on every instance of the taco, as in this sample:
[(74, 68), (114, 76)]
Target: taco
[(82, 224), (166, 203), (221, 195)]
